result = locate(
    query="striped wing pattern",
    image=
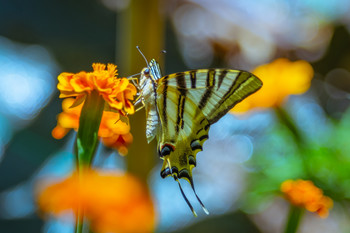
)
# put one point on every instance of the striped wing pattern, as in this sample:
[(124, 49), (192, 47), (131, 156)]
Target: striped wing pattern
[(188, 103)]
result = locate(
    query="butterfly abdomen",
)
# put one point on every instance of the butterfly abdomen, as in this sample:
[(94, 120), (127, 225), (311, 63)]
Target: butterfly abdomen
[(152, 124), (152, 117)]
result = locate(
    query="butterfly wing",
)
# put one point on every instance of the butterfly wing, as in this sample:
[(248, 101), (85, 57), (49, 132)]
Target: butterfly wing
[(188, 103), (215, 91), (181, 137), (183, 133)]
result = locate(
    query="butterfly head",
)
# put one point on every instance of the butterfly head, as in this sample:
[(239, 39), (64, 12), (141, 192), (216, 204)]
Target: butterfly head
[(149, 73), (144, 77)]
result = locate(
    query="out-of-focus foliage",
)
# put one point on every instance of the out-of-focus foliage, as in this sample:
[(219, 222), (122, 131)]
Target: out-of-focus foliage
[(279, 158)]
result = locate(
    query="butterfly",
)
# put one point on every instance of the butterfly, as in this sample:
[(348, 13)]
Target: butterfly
[(181, 107)]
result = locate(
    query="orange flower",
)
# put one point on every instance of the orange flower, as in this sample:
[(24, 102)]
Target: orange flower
[(281, 78), (305, 194), (113, 132), (112, 202), (117, 92)]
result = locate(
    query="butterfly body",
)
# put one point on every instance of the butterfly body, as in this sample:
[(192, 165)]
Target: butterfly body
[(180, 108), (148, 89)]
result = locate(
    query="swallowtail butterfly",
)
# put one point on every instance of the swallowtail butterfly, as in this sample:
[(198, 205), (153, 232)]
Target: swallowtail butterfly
[(180, 108)]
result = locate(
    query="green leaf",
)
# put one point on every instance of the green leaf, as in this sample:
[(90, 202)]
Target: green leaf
[(124, 119), (78, 101)]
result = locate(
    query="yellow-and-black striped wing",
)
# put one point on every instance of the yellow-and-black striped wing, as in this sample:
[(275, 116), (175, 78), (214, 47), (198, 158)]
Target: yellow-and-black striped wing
[(188, 103)]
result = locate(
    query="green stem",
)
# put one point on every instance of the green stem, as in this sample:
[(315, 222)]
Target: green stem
[(295, 214), (89, 123), (286, 119), (297, 135), (87, 141), (79, 223)]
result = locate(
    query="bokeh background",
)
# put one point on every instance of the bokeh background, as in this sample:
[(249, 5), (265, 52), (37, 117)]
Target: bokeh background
[(247, 157)]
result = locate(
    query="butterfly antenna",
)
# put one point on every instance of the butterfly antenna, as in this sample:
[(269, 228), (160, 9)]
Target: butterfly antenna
[(184, 196), (138, 48), (161, 52), (199, 200)]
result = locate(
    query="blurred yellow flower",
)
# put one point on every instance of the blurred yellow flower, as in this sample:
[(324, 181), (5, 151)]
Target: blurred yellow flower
[(113, 132), (112, 202), (305, 194), (117, 92), (281, 78)]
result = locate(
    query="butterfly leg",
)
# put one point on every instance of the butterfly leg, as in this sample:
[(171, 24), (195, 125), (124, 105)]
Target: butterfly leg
[(139, 100), (134, 81)]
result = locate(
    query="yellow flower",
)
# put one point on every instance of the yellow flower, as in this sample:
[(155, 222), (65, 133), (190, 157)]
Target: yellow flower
[(117, 92), (113, 132), (112, 202), (305, 194), (281, 78)]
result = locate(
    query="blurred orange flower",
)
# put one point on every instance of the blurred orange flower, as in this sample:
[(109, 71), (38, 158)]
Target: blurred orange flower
[(113, 132), (305, 194), (281, 78), (112, 202), (117, 92)]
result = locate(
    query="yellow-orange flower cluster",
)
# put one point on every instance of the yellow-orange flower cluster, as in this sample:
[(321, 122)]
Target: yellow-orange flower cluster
[(117, 92), (113, 132), (305, 194), (112, 202), (280, 78)]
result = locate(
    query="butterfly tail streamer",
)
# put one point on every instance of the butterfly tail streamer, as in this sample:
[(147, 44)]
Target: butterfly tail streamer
[(184, 196), (182, 192), (199, 200)]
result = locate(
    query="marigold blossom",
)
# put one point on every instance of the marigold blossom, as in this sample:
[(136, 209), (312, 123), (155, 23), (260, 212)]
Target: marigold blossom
[(113, 132), (280, 78), (112, 202), (117, 92), (305, 194)]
